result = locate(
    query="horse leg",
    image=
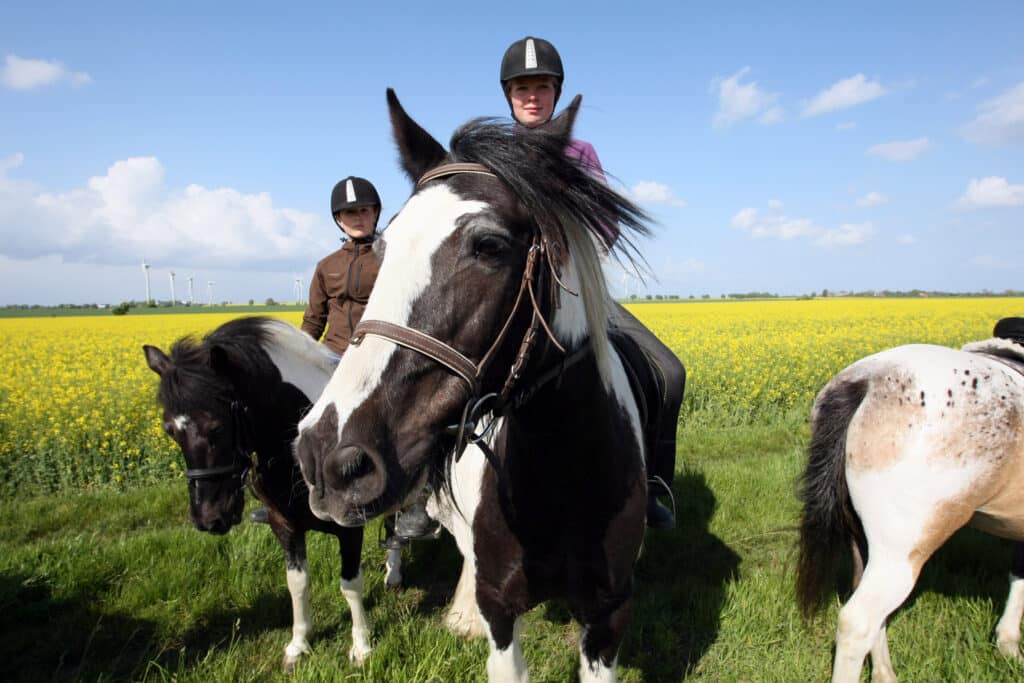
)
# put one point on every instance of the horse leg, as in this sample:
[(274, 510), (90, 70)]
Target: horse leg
[(599, 644), (294, 545), (350, 543), (881, 662), (393, 568), (505, 662), (464, 616), (1008, 628)]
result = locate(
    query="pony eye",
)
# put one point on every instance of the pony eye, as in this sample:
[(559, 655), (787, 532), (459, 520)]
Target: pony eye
[(490, 246)]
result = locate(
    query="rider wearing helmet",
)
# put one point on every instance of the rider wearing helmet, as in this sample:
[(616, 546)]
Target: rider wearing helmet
[(343, 280), (337, 298), (531, 78)]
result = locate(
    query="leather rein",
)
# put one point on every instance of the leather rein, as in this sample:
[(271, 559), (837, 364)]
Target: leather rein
[(472, 373)]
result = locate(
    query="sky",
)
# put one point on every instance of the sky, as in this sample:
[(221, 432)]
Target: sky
[(778, 147)]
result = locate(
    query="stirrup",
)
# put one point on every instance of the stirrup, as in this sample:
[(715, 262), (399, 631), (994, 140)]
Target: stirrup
[(668, 490)]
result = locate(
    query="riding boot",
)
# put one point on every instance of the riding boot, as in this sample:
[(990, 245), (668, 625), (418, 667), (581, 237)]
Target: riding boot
[(259, 516), (391, 540), (414, 524)]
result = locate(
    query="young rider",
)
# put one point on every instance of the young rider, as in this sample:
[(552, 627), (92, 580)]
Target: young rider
[(339, 291), (531, 78)]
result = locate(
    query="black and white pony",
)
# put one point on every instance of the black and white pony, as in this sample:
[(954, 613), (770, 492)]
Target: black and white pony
[(232, 403), (907, 446), (488, 323)]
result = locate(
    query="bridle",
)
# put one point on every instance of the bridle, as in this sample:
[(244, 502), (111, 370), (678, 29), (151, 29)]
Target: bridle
[(242, 460), (472, 373)]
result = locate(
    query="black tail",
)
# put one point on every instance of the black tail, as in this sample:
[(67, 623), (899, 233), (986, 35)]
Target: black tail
[(828, 522)]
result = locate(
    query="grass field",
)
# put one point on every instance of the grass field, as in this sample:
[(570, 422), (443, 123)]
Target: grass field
[(103, 578)]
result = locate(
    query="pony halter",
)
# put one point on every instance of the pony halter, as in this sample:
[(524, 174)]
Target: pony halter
[(451, 358)]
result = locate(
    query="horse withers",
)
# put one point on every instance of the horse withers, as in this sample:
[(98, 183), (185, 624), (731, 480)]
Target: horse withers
[(907, 446), (488, 323), (232, 403)]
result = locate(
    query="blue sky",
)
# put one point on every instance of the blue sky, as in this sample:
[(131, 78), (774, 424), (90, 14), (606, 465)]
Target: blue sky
[(782, 147)]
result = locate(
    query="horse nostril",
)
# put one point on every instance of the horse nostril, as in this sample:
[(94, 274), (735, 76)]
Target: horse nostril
[(347, 465)]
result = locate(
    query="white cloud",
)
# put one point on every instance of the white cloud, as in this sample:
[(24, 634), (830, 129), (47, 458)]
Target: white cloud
[(651, 192), (844, 94), (1001, 119), (773, 224), (846, 235), (128, 212), (991, 192), (905, 150), (11, 162), (25, 74), (906, 238), (873, 199), (738, 101)]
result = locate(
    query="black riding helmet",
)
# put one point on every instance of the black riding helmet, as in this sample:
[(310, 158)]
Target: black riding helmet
[(353, 192), (532, 57)]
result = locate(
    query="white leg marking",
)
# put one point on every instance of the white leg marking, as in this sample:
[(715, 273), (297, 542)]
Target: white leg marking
[(464, 615), (1008, 628), (393, 568), (353, 592), (595, 671), (508, 665), (881, 662), (887, 582), (298, 587)]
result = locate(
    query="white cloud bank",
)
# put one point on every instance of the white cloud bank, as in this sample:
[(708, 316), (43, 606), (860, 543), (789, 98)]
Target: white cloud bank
[(26, 74), (991, 192), (776, 225), (905, 150), (738, 101), (1001, 119), (844, 94), (128, 213), (651, 192)]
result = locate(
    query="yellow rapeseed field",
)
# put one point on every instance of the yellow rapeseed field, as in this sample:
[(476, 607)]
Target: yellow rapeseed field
[(78, 408)]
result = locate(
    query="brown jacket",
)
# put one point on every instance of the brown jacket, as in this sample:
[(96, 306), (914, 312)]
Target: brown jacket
[(338, 293)]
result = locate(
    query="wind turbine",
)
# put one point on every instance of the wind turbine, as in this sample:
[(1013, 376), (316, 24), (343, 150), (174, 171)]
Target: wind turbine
[(298, 290), (145, 271), (172, 288), (191, 296), (209, 292)]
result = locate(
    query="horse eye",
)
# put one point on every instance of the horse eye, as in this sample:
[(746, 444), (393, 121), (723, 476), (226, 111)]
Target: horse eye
[(490, 246)]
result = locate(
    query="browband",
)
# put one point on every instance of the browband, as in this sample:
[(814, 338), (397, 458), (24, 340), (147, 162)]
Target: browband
[(452, 169)]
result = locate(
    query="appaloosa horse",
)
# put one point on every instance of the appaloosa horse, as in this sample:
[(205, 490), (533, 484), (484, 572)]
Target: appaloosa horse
[(488, 323), (232, 403), (907, 446)]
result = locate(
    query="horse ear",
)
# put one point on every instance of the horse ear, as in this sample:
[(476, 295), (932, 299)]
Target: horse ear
[(562, 124), (156, 359), (418, 151)]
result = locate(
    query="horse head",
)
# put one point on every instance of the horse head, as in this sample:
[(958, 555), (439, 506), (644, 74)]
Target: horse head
[(202, 412), (470, 300)]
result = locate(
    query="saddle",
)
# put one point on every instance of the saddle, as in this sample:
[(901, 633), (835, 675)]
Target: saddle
[(1010, 354)]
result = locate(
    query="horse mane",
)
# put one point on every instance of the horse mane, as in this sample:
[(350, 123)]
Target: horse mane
[(193, 383), (574, 210)]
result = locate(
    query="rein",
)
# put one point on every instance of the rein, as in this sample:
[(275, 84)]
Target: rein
[(458, 363)]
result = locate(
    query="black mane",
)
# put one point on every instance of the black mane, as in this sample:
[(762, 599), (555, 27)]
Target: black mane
[(194, 384), (552, 186)]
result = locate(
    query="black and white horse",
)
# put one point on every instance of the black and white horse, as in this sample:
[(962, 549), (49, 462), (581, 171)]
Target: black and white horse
[(490, 314), (239, 392), (907, 446)]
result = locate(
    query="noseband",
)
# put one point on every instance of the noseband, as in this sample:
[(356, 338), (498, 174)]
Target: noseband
[(443, 353), (242, 460)]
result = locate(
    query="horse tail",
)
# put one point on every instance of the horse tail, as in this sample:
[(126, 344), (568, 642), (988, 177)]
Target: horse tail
[(828, 522)]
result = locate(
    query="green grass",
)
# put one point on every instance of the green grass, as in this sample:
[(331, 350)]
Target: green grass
[(119, 586)]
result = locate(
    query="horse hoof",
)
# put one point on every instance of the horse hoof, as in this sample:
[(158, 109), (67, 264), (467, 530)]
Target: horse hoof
[(1010, 648), (358, 654), (289, 664)]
